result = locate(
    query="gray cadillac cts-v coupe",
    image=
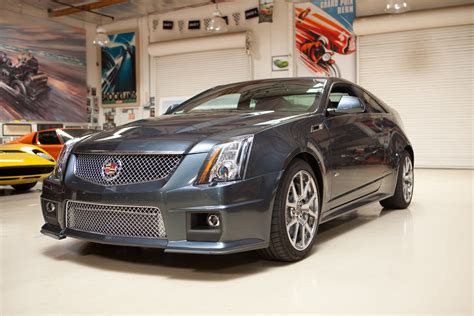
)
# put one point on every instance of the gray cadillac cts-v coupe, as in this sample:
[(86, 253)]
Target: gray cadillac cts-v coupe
[(244, 166)]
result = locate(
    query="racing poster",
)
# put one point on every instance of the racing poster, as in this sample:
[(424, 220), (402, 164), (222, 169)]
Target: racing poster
[(42, 70), (324, 39), (119, 70)]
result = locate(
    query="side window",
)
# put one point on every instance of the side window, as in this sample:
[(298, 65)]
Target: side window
[(371, 104), (48, 138), (337, 92)]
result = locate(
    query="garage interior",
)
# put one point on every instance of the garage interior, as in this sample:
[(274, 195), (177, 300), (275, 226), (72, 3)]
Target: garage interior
[(419, 59)]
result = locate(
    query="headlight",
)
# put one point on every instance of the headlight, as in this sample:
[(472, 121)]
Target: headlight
[(63, 157), (227, 161)]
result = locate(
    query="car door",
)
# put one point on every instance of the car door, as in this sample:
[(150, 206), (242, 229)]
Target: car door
[(50, 142), (356, 152)]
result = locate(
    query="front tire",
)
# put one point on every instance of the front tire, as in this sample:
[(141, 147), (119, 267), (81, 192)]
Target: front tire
[(24, 187), (405, 183), (296, 213)]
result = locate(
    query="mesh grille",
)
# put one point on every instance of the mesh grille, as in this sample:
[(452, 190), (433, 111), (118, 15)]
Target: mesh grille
[(115, 220), (130, 168)]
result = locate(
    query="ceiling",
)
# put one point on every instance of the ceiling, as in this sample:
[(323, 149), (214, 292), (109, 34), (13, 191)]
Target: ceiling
[(138, 8), (121, 11)]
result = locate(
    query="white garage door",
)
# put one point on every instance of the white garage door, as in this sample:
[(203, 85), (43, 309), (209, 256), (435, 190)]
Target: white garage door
[(190, 73), (427, 76)]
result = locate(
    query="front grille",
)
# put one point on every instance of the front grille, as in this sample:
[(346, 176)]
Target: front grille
[(129, 168), (115, 220)]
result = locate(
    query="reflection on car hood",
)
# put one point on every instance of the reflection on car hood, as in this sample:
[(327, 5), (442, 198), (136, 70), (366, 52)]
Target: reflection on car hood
[(179, 133)]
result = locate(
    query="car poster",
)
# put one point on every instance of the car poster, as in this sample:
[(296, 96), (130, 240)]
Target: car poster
[(324, 38), (119, 70), (42, 70)]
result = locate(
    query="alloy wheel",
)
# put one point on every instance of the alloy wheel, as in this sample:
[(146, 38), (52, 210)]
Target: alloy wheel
[(407, 179), (302, 210)]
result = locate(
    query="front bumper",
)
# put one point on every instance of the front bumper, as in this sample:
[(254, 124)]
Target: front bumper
[(244, 208)]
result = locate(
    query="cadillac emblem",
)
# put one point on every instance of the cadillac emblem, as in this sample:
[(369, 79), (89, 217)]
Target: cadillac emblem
[(111, 169)]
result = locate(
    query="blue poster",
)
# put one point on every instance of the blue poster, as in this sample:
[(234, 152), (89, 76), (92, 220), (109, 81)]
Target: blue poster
[(119, 70)]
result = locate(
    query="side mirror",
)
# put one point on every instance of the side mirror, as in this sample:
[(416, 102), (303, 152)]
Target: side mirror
[(170, 109), (348, 104)]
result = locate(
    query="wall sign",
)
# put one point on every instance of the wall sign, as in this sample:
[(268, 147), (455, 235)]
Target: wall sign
[(325, 42), (168, 25), (119, 70), (194, 24), (251, 13)]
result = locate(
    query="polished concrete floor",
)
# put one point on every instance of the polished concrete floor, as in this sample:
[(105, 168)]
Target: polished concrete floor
[(417, 260)]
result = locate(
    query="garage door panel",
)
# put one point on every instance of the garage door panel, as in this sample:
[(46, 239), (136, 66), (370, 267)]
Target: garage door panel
[(191, 73), (427, 76)]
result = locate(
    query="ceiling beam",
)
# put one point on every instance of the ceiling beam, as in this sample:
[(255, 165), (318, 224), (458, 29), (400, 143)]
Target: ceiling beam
[(85, 7)]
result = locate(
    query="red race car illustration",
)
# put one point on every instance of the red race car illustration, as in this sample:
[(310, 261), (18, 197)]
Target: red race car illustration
[(318, 37)]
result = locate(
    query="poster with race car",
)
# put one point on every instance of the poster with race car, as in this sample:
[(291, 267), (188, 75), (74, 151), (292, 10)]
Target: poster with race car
[(42, 70), (324, 39), (119, 70)]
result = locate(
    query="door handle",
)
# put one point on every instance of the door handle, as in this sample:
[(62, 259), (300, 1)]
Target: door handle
[(316, 127)]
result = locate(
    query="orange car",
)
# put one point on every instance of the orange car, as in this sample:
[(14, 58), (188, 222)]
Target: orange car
[(52, 140)]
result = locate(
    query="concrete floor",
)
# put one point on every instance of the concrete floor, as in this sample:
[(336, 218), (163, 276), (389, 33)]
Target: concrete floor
[(417, 260)]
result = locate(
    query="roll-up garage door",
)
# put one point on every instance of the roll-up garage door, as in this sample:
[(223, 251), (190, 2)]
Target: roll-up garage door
[(427, 76), (188, 74), (181, 71)]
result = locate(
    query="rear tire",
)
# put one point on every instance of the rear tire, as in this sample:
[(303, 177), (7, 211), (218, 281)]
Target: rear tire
[(24, 187), (296, 214), (405, 183)]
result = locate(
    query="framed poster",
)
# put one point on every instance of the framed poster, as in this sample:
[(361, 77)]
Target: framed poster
[(280, 63), (324, 39), (119, 70), (43, 70)]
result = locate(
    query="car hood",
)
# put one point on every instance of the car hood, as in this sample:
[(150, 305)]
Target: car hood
[(21, 156), (183, 133)]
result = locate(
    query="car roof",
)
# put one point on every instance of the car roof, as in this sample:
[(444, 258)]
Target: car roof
[(64, 129), (289, 79)]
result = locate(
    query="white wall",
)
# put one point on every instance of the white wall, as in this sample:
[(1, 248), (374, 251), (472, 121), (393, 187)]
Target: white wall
[(268, 39)]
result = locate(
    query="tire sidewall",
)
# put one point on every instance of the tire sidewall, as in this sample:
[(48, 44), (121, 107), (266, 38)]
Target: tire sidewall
[(400, 177)]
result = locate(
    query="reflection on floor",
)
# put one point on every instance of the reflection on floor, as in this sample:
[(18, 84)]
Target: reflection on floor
[(373, 261)]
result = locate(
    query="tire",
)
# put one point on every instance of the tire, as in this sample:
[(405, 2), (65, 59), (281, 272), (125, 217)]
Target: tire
[(405, 184), (24, 187), (302, 219)]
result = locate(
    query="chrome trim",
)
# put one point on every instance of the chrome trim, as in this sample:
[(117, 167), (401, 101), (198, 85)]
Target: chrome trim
[(115, 220), (100, 151)]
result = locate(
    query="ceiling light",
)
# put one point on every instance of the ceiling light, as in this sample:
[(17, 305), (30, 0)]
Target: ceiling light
[(217, 23), (396, 6), (101, 38)]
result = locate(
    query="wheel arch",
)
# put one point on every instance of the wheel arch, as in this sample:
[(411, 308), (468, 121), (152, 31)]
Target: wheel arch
[(317, 167), (410, 151)]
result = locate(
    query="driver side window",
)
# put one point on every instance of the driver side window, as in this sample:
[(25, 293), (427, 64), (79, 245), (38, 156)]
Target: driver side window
[(337, 92)]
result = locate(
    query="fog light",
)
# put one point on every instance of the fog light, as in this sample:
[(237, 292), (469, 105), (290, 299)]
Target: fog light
[(50, 207), (213, 220)]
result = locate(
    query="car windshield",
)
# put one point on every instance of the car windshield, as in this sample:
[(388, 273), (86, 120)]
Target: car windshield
[(278, 96), (68, 134)]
